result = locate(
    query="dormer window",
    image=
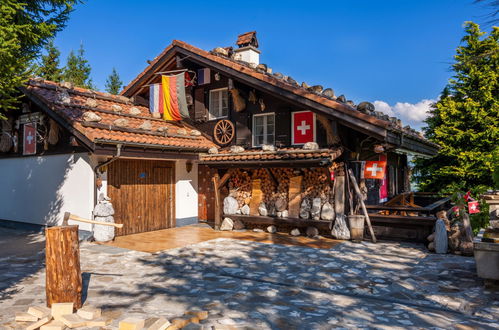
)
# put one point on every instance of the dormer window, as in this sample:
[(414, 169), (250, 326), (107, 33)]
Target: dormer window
[(263, 129), (219, 103)]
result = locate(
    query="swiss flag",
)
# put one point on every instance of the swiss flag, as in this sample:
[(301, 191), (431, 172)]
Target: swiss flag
[(473, 207), (374, 170), (29, 144), (303, 123)]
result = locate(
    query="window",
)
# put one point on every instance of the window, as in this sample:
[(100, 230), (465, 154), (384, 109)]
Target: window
[(219, 103), (263, 129)]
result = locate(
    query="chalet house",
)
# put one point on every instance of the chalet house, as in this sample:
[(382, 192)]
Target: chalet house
[(252, 133)]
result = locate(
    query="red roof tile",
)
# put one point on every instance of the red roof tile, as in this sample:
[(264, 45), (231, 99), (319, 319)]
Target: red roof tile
[(279, 154), (110, 108)]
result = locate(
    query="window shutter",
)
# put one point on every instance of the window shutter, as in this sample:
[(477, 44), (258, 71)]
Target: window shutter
[(200, 111)]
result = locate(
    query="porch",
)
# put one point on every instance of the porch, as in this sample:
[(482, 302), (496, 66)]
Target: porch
[(166, 239)]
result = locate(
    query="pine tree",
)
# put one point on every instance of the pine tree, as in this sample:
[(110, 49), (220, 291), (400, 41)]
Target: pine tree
[(25, 27), (465, 121), (113, 83), (77, 69), (49, 67)]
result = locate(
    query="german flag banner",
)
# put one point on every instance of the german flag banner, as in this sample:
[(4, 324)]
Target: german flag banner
[(168, 98), (174, 101)]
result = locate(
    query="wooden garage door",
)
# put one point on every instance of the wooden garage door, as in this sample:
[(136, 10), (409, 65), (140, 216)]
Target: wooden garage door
[(142, 195)]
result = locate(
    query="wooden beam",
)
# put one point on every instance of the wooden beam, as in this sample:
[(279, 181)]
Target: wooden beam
[(225, 178), (218, 209), (361, 201)]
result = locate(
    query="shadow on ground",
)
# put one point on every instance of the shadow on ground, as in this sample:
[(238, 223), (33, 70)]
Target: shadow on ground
[(287, 287)]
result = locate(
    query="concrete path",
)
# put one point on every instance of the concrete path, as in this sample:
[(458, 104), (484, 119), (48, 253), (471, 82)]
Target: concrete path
[(246, 284)]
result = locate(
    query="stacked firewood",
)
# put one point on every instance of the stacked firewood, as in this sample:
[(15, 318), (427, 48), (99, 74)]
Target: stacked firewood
[(316, 184), (282, 176), (267, 184), (240, 186)]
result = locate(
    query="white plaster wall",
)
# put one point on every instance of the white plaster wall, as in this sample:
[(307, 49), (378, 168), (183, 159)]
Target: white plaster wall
[(186, 196), (40, 189)]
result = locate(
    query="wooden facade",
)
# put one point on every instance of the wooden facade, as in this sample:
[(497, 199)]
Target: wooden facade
[(142, 192)]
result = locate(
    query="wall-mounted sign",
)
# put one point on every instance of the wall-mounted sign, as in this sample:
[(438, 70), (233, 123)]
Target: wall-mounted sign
[(303, 127), (34, 117), (29, 140)]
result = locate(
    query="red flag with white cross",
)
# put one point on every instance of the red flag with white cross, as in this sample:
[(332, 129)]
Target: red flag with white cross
[(473, 207), (303, 123), (29, 145), (374, 170)]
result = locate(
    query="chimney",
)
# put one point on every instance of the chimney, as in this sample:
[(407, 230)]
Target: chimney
[(248, 49)]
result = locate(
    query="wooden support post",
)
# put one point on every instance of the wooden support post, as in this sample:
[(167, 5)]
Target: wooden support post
[(218, 208), (339, 195), (361, 201), (294, 196), (256, 196), (62, 258)]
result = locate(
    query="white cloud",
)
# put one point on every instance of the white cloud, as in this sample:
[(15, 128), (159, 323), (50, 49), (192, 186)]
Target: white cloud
[(410, 114)]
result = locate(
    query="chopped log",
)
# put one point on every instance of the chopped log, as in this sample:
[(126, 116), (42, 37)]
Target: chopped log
[(218, 210), (294, 194), (25, 317), (62, 259), (38, 323), (361, 201)]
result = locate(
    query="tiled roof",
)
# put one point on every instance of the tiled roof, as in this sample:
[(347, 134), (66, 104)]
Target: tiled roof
[(284, 154), (71, 103), (289, 84), (246, 38)]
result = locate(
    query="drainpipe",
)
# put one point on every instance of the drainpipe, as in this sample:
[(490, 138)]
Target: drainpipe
[(98, 167)]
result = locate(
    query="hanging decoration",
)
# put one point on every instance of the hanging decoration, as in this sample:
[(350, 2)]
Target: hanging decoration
[(169, 98), (383, 189), (29, 140), (473, 207), (204, 76), (252, 96), (373, 170), (237, 100)]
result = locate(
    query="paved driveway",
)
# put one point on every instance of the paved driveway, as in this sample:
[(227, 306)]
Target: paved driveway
[(246, 284)]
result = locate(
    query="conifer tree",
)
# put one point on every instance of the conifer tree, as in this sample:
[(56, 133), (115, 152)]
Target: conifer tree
[(113, 83), (77, 69), (465, 121), (49, 67), (25, 27)]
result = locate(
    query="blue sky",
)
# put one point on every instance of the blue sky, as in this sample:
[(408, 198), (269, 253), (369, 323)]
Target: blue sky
[(395, 52)]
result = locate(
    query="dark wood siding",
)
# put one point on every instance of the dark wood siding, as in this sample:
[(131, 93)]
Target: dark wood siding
[(142, 193)]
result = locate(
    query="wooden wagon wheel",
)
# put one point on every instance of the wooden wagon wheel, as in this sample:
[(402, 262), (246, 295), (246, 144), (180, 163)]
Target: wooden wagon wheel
[(224, 132)]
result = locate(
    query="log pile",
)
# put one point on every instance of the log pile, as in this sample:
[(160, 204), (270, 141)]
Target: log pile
[(316, 184), (240, 186), (268, 185), (282, 176)]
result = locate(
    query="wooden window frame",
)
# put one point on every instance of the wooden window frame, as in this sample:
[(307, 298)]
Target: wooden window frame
[(264, 127), (211, 116)]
